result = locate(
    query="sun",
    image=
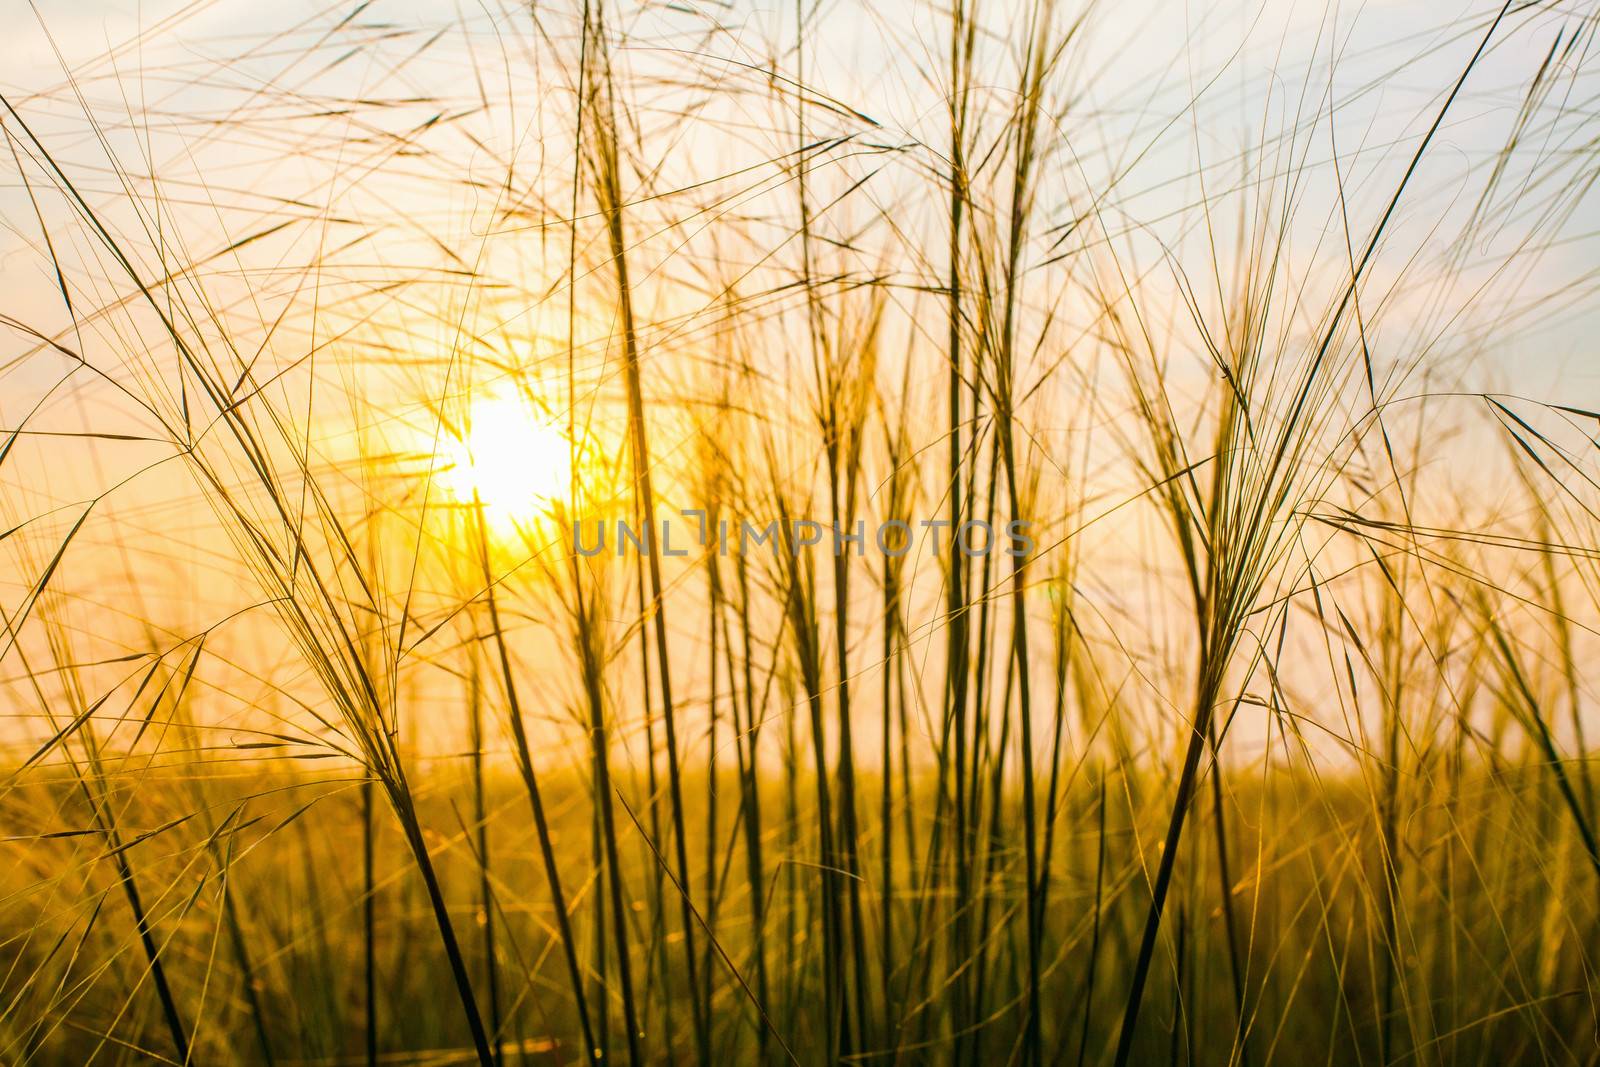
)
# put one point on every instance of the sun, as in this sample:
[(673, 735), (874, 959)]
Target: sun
[(510, 457)]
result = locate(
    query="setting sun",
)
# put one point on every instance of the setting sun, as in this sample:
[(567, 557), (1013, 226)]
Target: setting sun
[(508, 454)]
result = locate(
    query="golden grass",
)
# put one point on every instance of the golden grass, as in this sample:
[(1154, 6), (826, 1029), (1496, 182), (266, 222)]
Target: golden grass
[(331, 738)]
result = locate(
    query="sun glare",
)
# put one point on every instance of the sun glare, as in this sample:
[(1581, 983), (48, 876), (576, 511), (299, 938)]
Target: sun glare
[(509, 456)]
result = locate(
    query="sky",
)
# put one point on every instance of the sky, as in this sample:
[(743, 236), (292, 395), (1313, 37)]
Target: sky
[(238, 116)]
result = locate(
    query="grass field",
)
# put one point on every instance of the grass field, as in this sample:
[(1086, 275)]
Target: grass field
[(978, 532)]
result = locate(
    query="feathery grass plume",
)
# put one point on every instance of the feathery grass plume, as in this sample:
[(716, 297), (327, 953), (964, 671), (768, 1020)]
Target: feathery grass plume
[(1237, 507)]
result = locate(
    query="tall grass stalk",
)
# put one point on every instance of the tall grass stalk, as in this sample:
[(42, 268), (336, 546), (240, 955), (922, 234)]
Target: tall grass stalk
[(599, 104)]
